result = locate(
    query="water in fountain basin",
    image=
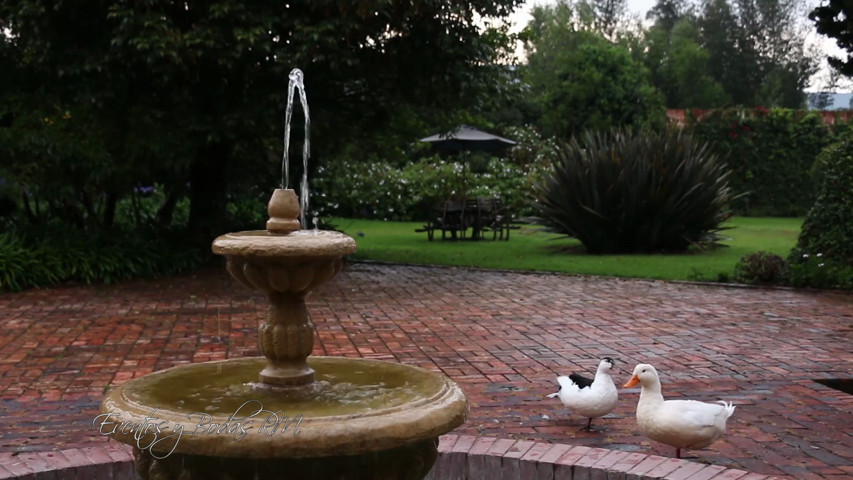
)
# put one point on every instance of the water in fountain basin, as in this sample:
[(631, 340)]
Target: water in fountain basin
[(341, 388)]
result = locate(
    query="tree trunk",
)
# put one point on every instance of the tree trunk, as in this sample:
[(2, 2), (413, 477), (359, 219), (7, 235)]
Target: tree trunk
[(167, 209), (110, 210), (28, 211), (208, 186)]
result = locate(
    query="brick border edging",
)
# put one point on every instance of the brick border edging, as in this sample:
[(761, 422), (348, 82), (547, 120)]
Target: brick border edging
[(745, 286), (110, 461), (466, 456), (459, 457)]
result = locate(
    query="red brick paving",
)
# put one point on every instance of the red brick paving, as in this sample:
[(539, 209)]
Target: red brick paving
[(503, 336)]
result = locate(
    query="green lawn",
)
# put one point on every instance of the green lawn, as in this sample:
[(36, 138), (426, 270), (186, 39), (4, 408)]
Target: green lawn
[(529, 249)]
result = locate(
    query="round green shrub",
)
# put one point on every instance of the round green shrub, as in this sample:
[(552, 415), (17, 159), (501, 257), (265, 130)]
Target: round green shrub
[(635, 191), (760, 268), (823, 256)]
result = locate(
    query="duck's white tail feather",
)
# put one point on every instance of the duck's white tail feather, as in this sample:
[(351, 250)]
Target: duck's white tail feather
[(567, 383), (728, 407), (553, 395)]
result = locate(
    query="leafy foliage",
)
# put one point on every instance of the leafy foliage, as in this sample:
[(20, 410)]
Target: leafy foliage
[(679, 66), (190, 96), (622, 192), (769, 153), (834, 19), (720, 53), (580, 80), (29, 262), (761, 268), (378, 189), (823, 256), (757, 50)]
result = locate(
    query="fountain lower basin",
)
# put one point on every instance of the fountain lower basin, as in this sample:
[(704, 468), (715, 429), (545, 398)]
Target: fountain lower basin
[(355, 406)]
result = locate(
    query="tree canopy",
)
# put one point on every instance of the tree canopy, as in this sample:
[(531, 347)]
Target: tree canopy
[(679, 65), (754, 51), (834, 18), (190, 95), (580, 80)]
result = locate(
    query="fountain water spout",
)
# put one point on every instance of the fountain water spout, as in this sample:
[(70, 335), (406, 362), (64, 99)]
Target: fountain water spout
[(286, 211)]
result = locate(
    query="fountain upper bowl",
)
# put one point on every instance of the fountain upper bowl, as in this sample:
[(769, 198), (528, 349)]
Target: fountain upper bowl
[(301, 243)]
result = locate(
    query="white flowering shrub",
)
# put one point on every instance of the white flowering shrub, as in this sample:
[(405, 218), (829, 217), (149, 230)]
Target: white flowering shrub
[(376, 189)]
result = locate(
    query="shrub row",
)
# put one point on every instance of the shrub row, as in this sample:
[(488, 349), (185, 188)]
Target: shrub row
[(770, 154), (69, 257), (377, 189)]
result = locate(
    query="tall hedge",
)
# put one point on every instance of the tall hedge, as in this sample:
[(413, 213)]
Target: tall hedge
[(769, 153)]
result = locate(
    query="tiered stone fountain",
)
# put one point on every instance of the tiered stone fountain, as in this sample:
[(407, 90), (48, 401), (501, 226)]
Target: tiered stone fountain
[(286, 414)]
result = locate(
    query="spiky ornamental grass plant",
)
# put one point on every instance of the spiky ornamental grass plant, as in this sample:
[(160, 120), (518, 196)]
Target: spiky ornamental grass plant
[(635, 191)]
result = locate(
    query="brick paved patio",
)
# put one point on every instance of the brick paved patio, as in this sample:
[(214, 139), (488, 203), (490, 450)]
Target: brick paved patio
[(503, 336)]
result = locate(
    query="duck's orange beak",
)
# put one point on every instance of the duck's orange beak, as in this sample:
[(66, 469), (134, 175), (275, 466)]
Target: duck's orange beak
[(631, 382)]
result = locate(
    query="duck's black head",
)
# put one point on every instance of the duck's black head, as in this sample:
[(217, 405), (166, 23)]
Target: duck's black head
[(610, 361)]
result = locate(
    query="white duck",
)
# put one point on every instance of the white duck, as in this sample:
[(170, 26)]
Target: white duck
[(589, 397), (678, 423)]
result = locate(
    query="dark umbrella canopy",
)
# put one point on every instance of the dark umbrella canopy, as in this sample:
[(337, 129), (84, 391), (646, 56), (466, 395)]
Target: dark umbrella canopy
[(468, 138)]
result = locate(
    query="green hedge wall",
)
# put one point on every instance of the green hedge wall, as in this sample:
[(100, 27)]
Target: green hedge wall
[(770, 153)]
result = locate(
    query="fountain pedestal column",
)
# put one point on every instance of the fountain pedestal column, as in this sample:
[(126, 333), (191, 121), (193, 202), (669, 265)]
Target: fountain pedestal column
[(286, 337)]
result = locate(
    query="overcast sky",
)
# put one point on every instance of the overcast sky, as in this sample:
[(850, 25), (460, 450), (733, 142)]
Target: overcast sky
[(636, 6)]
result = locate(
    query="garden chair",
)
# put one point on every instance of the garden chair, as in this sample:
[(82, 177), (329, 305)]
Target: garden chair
[(495, 216), (449, 217)]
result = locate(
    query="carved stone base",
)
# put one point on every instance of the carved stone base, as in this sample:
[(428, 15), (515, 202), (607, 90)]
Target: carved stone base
[(410, 462)]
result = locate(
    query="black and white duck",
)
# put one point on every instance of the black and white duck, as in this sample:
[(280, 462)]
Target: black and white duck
[(589, 397)]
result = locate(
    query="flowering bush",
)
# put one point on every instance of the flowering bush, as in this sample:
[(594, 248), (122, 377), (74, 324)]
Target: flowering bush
[(818, 271), (377, 189)]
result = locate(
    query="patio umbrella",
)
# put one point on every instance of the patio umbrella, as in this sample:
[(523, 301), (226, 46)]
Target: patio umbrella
[(468, 138)]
